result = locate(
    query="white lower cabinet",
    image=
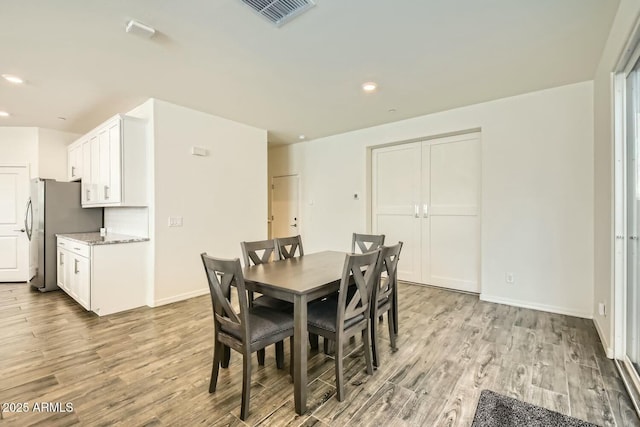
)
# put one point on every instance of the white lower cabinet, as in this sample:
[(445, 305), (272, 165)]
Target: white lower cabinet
[(104, 279)]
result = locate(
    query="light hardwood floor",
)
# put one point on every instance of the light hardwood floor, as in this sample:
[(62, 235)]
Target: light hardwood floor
[(151, 366)]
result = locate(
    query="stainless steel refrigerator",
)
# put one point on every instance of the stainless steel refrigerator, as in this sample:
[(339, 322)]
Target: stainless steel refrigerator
[(54, 208)]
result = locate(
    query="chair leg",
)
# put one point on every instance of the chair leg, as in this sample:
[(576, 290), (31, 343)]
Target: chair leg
[(392, 330), (280, 354), (217, 358), (313, 341), (246, 386), (374, 342), (339, 371), (261, 354), (367, 348), (328, 346), (226, 356)]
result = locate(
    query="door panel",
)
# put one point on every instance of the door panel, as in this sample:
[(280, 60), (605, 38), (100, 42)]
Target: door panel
[(398, 228), (395, 203), (451, 236), (14, 243), (454, 252), (114, 186), (285, 220)]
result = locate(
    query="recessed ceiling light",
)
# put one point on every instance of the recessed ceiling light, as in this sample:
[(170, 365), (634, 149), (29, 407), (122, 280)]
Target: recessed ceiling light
[(13, 79), (369, 87), (4, 114), (392, 110), (62, 118), (301, 137)]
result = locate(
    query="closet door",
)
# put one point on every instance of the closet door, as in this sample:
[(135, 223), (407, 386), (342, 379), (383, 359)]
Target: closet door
[(450, 212), (395, 203)]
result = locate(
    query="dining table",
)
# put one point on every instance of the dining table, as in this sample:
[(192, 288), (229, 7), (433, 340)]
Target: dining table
[(298, 280)]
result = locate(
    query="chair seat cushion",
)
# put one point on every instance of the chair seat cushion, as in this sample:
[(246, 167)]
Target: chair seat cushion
[(264, 323), (324, 315), (275, 303)]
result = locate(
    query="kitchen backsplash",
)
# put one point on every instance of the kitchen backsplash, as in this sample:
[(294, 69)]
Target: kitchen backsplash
[(131, 221)]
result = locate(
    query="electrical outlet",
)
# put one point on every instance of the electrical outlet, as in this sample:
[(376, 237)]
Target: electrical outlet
[(175, 221), (602, 309), (508, 277)]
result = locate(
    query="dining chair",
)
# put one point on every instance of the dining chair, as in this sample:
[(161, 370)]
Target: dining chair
[(366, 242), (261, 252), (384, 291), (344, 317), (246, 332), (288, 246)]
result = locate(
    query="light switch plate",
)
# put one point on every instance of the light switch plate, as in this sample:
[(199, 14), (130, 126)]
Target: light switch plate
[(175, 221)]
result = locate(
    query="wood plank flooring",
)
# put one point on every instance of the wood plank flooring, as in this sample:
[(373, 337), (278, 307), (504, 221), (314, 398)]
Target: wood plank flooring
[(151, 367)]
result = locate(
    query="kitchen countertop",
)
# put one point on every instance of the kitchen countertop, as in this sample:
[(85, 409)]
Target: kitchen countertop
[(96, 239)]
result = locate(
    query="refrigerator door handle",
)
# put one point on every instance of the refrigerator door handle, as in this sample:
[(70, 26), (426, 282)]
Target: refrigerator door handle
[(28, 226)]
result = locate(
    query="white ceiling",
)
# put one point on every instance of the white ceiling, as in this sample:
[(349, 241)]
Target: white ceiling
[(218, 56)]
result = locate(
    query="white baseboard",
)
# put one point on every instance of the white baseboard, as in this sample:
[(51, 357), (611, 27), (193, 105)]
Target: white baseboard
[(536, 306), (180, 297), (605, 344)]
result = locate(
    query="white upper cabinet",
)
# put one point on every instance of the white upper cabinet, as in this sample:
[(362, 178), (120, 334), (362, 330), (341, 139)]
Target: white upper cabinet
[(74, 161), (114, 163)]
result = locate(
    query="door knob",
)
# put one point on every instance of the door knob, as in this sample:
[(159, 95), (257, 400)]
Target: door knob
[(293, 225)]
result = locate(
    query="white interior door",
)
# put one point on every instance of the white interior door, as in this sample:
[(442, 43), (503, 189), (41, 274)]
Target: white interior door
[(451, 227), (14, 244), (285, 220), (395, 203)]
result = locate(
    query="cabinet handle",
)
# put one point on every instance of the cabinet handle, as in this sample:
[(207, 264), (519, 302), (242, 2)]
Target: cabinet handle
[(416, 211), (77, 249), (88, 194), (425, 209), (73, 171), (106, 192), (61, 258), (75, 266)]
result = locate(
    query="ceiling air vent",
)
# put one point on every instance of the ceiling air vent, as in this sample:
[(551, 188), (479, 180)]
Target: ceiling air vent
[(280, 11)]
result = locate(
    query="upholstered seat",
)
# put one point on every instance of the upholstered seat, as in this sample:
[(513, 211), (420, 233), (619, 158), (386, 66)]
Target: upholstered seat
[(325, 314), (265, 323)]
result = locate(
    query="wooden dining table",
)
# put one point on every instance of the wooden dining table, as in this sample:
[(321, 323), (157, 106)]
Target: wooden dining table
[(298, 280)]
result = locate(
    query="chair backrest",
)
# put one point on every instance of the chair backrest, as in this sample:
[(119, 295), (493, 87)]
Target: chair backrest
[(222, 274), (366, 242), (252, 257), (287, 246), (389, 256), (361, 270)]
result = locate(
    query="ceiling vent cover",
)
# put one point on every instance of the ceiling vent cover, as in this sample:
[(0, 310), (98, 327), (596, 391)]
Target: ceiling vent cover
[(280, 11)]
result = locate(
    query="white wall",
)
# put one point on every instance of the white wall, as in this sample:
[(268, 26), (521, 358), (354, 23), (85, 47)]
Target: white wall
[(52, 153), (222, 197), (626, 17), (537, 191), (44, 150), (19, 145)]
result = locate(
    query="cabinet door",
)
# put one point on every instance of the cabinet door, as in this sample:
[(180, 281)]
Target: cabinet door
[(113, 190), (82, 281), (74, 162), (86, 171), (63, 270), (93, 188)]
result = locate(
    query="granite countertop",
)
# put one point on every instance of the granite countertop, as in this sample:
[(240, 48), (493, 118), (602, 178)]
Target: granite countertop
[(97, 239)]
